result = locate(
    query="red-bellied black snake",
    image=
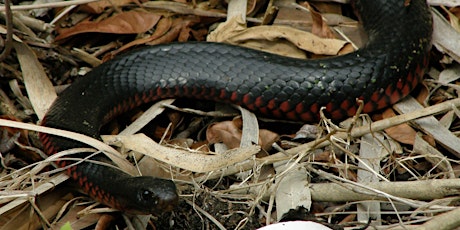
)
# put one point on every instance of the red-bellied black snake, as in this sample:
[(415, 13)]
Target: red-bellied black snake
[(384, 71)]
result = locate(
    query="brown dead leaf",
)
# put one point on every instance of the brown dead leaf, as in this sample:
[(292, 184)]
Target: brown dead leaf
[(319, 27), (330, 7), (26, 217), (170, 35), (76, 220), (184, 34), (163, 26), (229, 133), (201, 146), (281, 40), (423, 94), (160, 132), (226, 132), (402, 133), (267, 138), (323, 156), (252, 6), (131, 22), (167, 30), (429, 139), (99, 6), (180, 30)]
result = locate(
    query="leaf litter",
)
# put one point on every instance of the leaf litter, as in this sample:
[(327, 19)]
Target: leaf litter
[(395, 170)]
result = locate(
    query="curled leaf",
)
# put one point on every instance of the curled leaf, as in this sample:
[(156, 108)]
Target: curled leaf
[(131, 22)]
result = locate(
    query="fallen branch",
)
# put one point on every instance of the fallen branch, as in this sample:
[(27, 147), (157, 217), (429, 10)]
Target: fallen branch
[(416, 190)]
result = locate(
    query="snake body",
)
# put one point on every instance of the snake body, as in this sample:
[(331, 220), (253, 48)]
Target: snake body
[(381, 73)]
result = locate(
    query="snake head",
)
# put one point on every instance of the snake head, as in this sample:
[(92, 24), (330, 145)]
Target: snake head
[(147, 195)]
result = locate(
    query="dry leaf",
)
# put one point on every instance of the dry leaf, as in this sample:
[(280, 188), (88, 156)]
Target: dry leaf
[(267, 138), (75, 220), (167, 30), (229, 133), (180, 31), (402, 133), (323, 156), (99, 6), (429, 139), (226, 132), (131, 22), (162, 27), (201, 146), (39, 87), (320, 27), (423, 94), (308, 131), (202, 162), (281, 40), (292, 191), (445, 37)]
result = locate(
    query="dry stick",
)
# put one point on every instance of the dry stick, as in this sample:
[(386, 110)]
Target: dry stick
[(448, 220), (9, 31), (373, 194), (49, 5), (415, 190)]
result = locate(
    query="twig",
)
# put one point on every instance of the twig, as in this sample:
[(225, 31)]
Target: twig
[(415, 190), (9, 31), (48, 5), (448, 220)]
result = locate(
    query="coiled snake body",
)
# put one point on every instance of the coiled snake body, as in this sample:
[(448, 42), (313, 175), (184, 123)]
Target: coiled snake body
[(380, 74)]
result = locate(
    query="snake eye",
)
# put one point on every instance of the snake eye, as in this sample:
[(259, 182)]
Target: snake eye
[(149, 197)]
